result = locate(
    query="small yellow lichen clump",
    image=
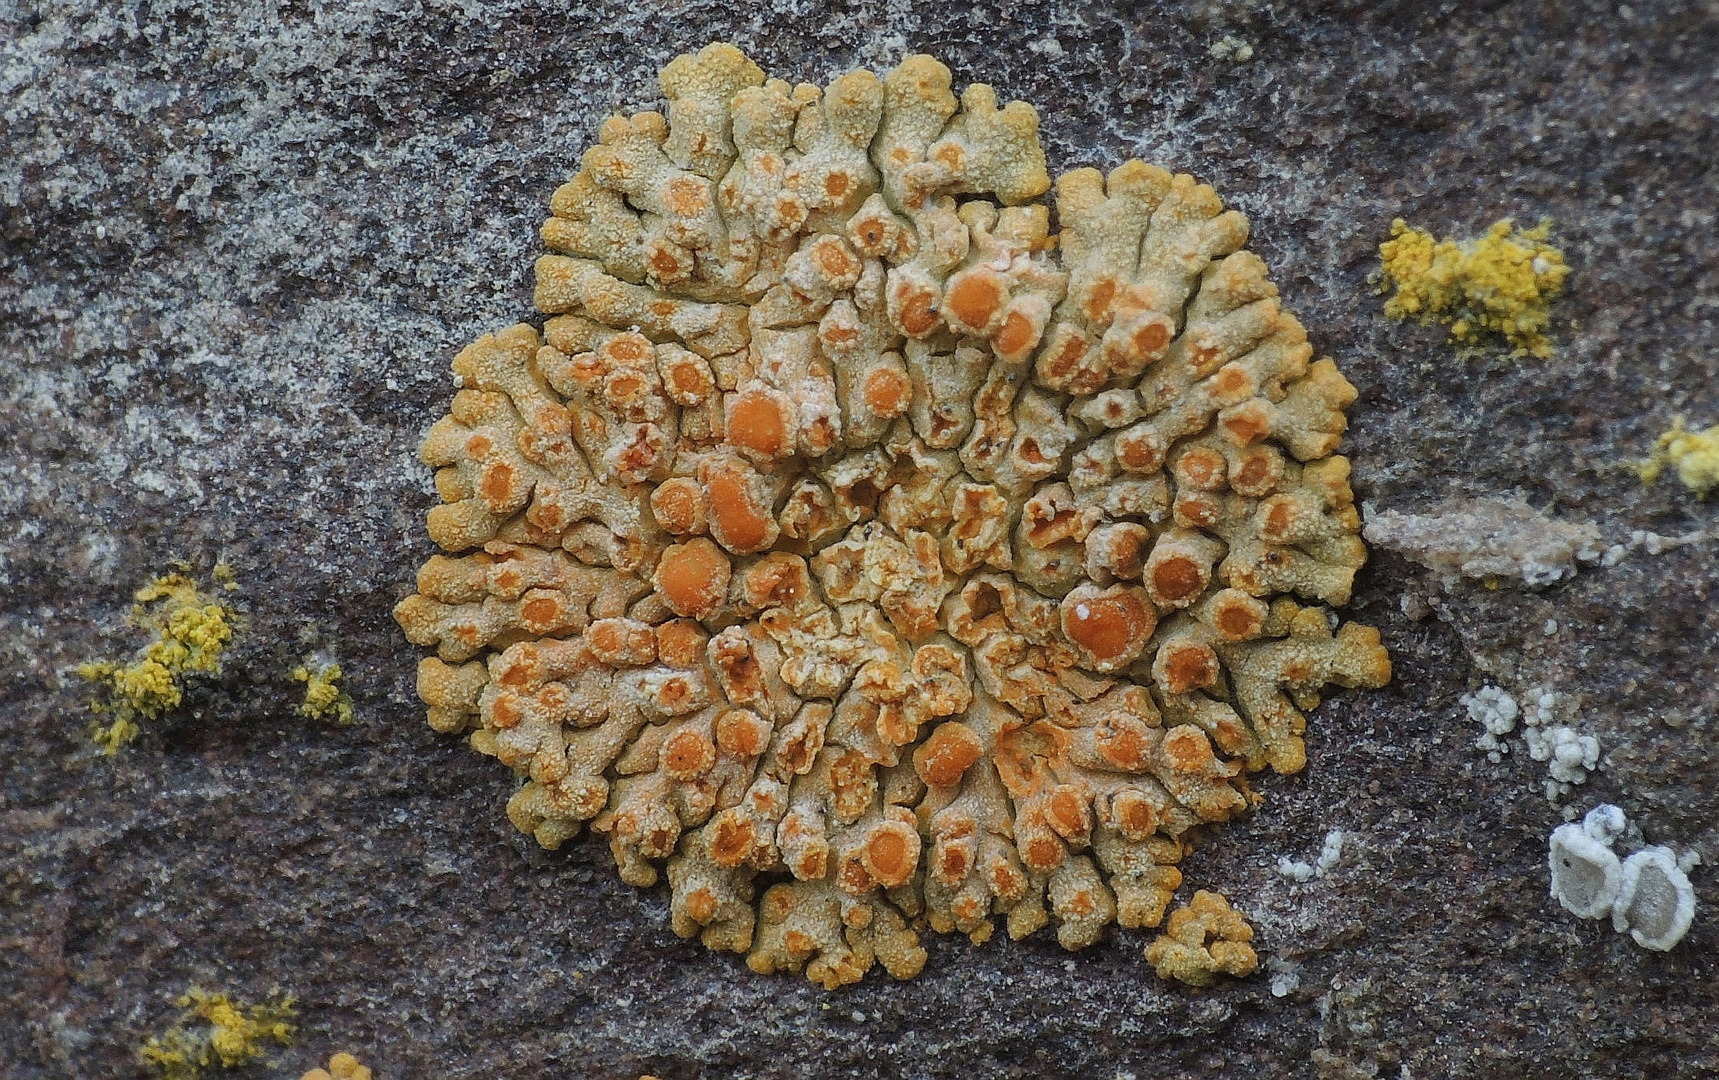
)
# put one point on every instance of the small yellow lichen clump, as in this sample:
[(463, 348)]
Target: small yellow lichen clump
[(1694, 454), (341, 1066), (192, 630), (323, 697), (1496, 283), (1206, 939), (861, 555), (216, 1030)]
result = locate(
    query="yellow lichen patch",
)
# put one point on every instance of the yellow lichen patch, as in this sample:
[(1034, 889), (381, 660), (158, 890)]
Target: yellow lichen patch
[(863, 557), (1694, 454), (341, 1066), (191, 630), (1205, 939), (214, 1030), (1500, 282), (323, 697)]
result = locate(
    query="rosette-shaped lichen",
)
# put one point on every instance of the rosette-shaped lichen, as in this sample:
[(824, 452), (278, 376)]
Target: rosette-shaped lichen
[(865, 556)]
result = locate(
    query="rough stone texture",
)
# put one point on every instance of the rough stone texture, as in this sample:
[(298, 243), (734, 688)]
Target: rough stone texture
[(238, 248)]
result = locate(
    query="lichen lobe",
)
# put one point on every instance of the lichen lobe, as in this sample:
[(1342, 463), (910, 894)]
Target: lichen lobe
[(871, 559)]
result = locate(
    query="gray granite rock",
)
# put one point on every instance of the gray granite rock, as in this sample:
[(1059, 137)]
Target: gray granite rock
[(239, 245)]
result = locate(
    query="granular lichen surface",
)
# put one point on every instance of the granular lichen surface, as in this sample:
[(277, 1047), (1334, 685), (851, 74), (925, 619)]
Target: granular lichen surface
[(216, 1032), (238, 246), (866, 558), (1500, 282), (191, 630), (1692, 455)]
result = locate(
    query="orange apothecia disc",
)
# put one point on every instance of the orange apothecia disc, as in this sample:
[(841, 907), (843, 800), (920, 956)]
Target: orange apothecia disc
[(869, 557)]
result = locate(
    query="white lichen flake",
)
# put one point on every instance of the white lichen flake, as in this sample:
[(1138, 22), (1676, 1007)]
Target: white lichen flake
[(1301, 871), (1496, 712), (1331, 854), (1648, 895), (1570, 755)]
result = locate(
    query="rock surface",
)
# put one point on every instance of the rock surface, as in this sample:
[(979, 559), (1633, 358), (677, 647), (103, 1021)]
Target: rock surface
[(238, 247)]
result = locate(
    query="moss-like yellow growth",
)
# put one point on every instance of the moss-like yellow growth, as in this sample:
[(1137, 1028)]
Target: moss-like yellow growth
[(216, 1030), (1694, 454), (323, 697), (192, 630), (1498, 282), (342, 1066)]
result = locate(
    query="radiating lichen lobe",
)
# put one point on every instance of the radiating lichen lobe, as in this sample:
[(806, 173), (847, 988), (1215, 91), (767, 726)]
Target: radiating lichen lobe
[(869, 557)]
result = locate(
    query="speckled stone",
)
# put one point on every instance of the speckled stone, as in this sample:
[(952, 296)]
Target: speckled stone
[(239, 245)]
